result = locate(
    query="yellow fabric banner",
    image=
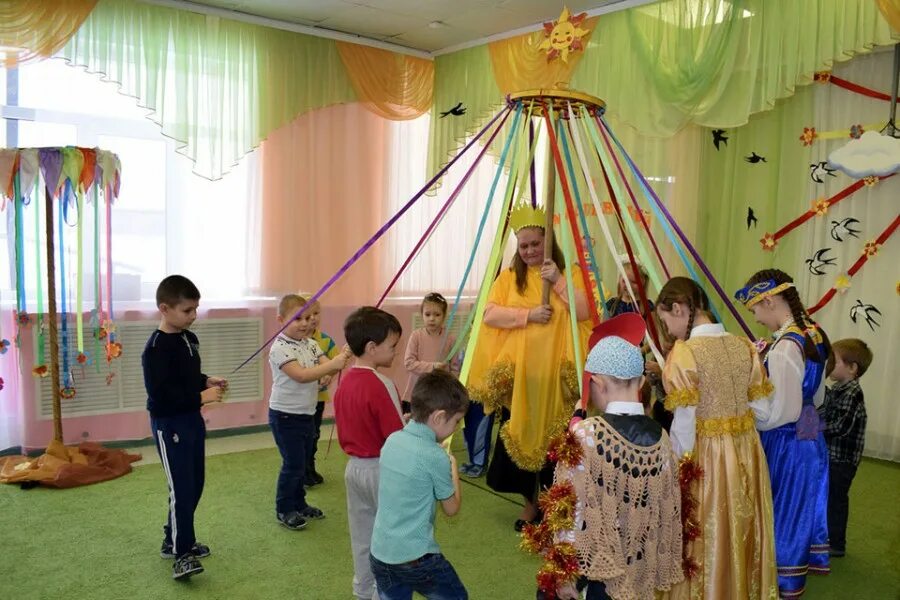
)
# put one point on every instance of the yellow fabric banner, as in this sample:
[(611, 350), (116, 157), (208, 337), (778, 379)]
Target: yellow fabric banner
[(32, 30)]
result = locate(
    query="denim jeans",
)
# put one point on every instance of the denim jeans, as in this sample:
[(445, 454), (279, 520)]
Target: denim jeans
[(432, 576), (294, 435)]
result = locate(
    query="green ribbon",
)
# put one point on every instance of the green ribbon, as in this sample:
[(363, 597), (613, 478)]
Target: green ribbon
[(39, 281)]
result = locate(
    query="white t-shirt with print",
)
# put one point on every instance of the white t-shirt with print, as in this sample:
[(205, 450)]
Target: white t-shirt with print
[(288, 395)]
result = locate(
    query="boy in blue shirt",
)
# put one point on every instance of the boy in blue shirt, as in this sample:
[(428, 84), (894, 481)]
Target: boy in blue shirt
[(416, 471), (176, 389)]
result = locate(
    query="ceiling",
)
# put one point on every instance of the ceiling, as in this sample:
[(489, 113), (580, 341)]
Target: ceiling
[(428, 26)]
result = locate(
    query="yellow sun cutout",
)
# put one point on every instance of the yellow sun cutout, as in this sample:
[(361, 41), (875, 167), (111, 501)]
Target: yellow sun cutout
[(563, 36)]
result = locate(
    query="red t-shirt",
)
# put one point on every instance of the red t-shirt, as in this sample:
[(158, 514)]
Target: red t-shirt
[(365, 413)]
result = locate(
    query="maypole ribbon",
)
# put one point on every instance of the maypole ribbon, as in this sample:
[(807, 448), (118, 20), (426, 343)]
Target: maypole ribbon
[(560, 172), (709, 276), (38, 272), (61, 264), (637, 207), (443, 211), (591, 256), (567, 236), (484, 215), (607, 234), (869, 250), (381, 231)]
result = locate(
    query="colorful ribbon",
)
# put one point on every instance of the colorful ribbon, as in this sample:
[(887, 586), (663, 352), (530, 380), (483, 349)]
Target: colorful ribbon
[(368, 244)]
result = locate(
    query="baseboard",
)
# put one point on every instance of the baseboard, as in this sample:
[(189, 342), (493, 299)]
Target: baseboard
[(148, 441)]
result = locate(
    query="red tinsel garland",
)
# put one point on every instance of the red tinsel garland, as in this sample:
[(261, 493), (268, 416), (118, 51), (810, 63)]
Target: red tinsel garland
[(564, 448), (689, 472)]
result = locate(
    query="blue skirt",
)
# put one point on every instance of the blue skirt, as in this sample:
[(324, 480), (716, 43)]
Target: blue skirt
[(798, 470)]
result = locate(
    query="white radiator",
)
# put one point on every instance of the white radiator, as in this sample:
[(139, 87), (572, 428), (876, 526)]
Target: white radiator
[(224, 344)]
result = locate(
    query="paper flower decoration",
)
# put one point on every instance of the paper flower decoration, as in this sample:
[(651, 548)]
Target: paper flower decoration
[(870, 181), (4, 346), (822, 76), (23, 319), (84, 358), (871, 248), (856, 131), (40, 371), (768, 242), (113, 350), (809, 136), (563, 36), (842, 283), (67, 393), (820, 207)]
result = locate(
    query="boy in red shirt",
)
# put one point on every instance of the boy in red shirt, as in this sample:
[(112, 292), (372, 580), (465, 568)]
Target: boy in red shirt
[(366, 411)]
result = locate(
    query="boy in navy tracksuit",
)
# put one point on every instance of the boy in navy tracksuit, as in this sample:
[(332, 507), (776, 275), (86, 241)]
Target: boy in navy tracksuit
[(176, 389)]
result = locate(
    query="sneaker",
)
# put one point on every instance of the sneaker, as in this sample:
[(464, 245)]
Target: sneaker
[(198, 550), (313, 479), (464, 469), (311, 513), (474, 471), (186, 566), (292, 520)]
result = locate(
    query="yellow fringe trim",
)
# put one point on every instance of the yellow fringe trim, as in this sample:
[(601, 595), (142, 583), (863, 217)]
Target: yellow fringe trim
[(682, 397), (725, 425), (755, 392)]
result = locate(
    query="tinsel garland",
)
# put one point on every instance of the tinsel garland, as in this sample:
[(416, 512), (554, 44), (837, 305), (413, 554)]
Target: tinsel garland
[(564, 448), (688, 473), (496, 390)]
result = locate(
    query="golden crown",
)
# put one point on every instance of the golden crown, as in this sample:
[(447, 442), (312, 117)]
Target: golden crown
[(524, 215)]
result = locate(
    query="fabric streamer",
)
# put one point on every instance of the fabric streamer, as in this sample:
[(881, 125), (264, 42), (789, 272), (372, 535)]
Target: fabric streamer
[(449, 202), (381, 231), (39, 316), (18, 203), (484, 215), (594, 265), (607, 234), (560, 171), (98, 294), (567, 235), (709, 276), (61, 269)]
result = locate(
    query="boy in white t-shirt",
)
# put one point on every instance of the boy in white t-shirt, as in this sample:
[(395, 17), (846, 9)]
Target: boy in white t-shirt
[(297, 365)]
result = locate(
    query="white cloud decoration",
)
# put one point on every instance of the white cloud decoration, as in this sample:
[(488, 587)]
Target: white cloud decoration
[(871, 154)]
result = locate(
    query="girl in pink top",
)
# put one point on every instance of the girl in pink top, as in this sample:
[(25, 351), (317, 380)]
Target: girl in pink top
[(425, 351)]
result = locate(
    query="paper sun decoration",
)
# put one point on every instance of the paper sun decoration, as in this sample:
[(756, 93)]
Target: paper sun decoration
[(563, 36)]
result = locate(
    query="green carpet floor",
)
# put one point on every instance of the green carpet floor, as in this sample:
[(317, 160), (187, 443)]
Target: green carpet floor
[(102, 541)]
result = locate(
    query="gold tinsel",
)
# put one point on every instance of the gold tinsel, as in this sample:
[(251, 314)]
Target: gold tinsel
[(726, 425), (568, 377), (761, 390), (496, 390)]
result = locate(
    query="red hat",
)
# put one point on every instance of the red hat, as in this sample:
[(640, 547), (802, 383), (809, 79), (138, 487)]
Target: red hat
[(628, 326)]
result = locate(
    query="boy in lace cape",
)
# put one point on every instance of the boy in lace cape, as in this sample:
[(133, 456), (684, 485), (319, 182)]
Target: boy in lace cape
[(625, 530)]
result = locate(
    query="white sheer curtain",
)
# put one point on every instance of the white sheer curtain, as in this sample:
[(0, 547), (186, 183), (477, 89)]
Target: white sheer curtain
[(877, 283), (441, 263)]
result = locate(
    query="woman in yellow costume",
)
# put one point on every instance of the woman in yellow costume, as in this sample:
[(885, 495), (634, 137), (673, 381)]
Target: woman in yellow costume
[(711, 378), (523, 363)]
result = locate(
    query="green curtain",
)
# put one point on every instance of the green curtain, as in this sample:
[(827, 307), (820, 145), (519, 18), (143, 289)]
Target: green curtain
[(217, 86), (471, 82), (663, 66)]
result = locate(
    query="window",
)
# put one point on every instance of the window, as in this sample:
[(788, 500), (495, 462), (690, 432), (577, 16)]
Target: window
[(166, 219)]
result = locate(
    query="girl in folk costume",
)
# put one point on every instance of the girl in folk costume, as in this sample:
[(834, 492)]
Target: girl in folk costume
[(522, 363), (711, 377), (790, 429)]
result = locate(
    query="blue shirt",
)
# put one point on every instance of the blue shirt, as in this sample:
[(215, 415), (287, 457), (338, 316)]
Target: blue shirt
[(414, 473)]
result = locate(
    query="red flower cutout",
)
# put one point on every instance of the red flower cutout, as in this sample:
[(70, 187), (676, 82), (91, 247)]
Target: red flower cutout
[(67, 393), (822, 76), (871, 249), (768, 242), (809, 136), (40, 371)]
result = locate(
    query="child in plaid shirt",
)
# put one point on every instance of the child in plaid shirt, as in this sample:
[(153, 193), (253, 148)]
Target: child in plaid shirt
[(844, 414)]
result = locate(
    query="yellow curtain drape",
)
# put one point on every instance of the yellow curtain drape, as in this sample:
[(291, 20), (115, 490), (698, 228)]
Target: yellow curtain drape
[(391, 85), (520, 65), (891, 11), (35, 29)]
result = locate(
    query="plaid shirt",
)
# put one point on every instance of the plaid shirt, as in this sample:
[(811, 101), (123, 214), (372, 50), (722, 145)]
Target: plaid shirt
[(844, 413)]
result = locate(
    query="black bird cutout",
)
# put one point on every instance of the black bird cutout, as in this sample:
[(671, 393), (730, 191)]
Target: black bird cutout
[(843, 228), (866, 311), (751, 218), (819, 261), (719, 137), (457, 111), (755, 158), (819, 170)]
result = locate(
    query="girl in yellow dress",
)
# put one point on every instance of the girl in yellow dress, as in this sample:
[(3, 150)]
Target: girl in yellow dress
[(710, 379), (523, 362)]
